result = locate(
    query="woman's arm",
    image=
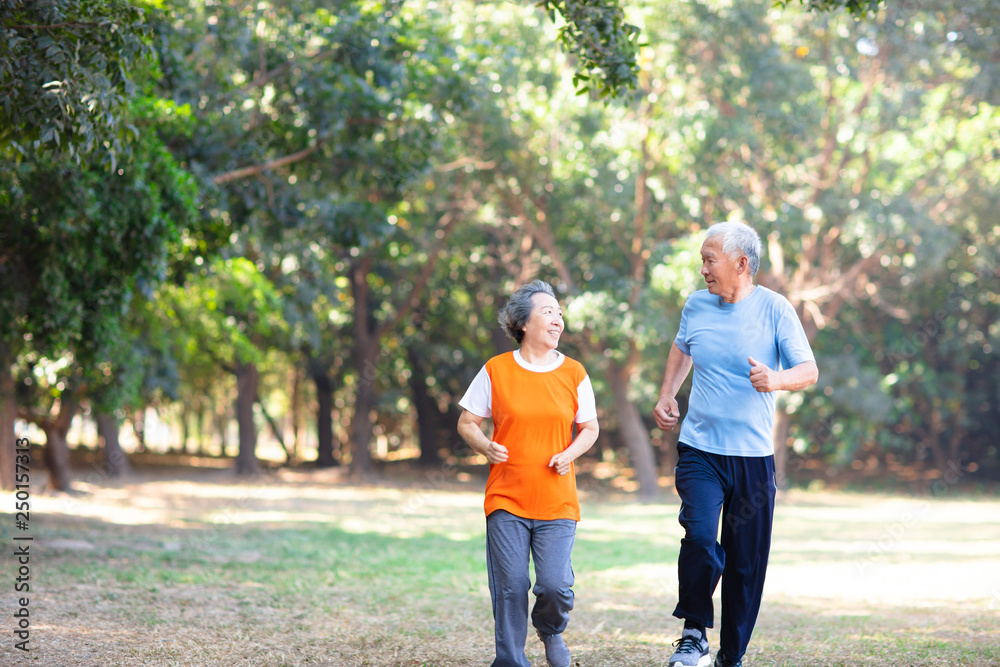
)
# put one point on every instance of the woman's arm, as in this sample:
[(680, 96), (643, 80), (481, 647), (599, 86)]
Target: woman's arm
[(586, 435), (470, 427)]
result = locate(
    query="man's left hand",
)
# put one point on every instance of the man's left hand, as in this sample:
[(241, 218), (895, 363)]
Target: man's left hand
[(763, 378)]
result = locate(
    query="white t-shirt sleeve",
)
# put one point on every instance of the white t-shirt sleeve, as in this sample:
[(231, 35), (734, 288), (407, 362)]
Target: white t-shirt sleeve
[(587, 402), (478, 397)]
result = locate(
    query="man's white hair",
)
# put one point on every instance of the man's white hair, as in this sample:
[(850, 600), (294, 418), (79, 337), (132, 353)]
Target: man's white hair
[(738, 238)]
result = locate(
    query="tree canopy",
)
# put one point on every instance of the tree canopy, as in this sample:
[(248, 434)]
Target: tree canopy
[(66, 75), (322, 211)]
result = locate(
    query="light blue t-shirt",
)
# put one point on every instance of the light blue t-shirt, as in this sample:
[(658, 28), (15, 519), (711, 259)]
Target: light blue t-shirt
[(726, 415)]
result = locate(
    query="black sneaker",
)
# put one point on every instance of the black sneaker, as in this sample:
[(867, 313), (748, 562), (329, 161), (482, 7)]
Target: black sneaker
[(722, 662), (692, 650)]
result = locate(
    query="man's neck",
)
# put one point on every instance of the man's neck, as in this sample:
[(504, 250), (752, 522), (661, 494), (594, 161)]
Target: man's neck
[(741, 293)]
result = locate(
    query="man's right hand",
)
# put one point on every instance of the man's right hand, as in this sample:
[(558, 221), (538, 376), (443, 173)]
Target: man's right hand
[(666, 413)]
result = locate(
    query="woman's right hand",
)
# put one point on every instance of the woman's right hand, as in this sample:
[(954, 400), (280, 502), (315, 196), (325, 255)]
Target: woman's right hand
[(496, 453), (470, 427)]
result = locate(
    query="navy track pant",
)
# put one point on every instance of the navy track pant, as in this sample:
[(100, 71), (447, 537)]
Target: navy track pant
[(742, 488)]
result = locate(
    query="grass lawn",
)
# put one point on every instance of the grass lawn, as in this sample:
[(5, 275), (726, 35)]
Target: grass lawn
[(195, 568)]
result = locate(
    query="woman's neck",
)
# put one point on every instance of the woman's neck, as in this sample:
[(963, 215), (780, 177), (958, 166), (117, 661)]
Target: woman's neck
[(538, 355)]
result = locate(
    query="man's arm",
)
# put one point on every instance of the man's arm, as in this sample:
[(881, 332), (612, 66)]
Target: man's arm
[(797, 377), (666, 413)]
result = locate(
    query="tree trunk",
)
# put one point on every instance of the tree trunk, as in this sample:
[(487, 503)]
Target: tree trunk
[(365, 356), (185, 428), (275, 429), (634, 435), (296, 412), (139, 428), (246, 395), (368, 334), (57, 457), (220, 420), (8, 413), (325, 457), (56, 449), (115, 462), (200, 428), (361, 425), (427, 410), (935, 438)]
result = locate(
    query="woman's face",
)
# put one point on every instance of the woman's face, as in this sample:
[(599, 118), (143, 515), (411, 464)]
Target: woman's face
[(545, 324)]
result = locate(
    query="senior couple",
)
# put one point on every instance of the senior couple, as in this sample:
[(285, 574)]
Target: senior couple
[(744, 342)]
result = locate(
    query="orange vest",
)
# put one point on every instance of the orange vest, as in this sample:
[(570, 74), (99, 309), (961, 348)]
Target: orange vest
[(533, 416)]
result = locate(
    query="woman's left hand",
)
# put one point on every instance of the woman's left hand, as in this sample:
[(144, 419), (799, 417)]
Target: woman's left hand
[(562, 462)]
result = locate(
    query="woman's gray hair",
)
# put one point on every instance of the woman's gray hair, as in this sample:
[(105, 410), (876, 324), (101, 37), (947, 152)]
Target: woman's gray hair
[(737, 236), (516, 312)]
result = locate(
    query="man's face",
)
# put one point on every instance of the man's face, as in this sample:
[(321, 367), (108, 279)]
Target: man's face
[(721, 272)]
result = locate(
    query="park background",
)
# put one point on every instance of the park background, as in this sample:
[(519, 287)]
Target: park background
[(272, 239)]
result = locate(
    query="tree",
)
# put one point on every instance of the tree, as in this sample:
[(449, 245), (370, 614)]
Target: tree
[(851, 168), (604, 44), (230, 315), (593, 242), (138, 369), (858, 8), (77, 243), (65, 76), (605, 47), (325, 121), (712, 136)]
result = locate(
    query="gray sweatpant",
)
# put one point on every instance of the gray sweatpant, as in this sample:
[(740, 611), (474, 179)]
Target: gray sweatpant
[(509, 540)]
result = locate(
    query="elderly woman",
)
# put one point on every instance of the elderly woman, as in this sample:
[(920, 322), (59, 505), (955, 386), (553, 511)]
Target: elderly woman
[(534, 395)]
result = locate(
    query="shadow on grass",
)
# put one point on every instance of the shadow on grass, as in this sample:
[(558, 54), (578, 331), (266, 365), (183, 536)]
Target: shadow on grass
[(307, 592), (253, 594)]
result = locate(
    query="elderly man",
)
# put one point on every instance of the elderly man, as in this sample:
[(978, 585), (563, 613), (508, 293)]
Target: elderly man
[(745, 342)]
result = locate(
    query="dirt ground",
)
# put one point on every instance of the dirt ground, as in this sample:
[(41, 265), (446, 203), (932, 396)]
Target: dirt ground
[(184, 566)]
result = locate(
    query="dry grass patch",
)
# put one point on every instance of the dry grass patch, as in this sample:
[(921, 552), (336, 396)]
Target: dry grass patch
[(304, 569)]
